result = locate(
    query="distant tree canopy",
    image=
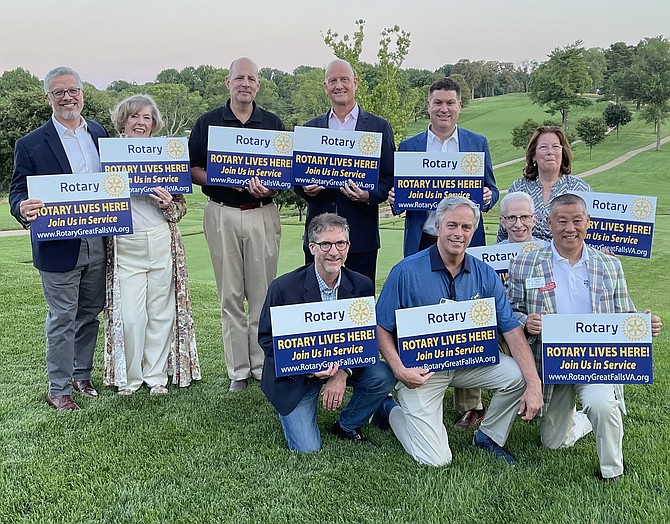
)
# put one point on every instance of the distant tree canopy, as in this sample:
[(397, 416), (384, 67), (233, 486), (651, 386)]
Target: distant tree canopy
[(639, 74), (560, 82), (592, 130)]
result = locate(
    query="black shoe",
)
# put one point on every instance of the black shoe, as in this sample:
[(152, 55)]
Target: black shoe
[(380, 418), (355, 435), (599, 476), (486, 443)]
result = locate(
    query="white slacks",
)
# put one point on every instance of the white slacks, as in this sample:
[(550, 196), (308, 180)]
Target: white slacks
[(147, 304)]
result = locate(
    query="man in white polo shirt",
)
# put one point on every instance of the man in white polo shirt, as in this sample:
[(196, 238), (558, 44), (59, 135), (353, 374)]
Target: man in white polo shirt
[(580, 280)]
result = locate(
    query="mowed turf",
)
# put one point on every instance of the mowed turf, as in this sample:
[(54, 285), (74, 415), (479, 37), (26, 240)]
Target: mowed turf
[(202, 454)]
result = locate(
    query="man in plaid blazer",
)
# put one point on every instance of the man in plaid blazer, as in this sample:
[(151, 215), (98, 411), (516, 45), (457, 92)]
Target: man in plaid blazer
[(570, 277)]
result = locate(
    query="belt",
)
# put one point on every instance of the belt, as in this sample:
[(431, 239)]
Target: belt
[(426, 236), (245, 206)]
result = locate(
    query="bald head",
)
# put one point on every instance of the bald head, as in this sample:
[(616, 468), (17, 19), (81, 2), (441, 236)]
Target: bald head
[(340, 86), (242, 62), (339, 65), (243, 84)]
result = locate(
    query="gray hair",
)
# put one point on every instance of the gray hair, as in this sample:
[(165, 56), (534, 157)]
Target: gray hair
[(567, 199), (452, 202), (59, 71), (518, 196), (339, 61), (131, 105), (325, 221)]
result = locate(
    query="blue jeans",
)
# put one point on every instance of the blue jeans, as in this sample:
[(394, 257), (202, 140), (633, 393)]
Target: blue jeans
[(371, 385)]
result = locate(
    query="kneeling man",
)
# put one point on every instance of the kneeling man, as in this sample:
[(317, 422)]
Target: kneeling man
[(296, 397), (583, 280), (440, 273)]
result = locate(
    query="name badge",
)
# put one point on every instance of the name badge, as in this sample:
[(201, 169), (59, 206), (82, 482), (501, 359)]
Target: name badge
[(534, 282)]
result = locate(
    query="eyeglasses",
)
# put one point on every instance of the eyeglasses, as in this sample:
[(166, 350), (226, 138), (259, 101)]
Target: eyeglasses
[(554, 148), (340, 245), (511, 219), (60, 93)]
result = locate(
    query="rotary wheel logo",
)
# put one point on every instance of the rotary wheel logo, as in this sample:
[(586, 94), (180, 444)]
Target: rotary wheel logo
[(283, 143), (368, 144), (114, 184), (175, 149), (481, 313), (529, 247), (641, 208), (635, 327), (360, 312), (471, 164)]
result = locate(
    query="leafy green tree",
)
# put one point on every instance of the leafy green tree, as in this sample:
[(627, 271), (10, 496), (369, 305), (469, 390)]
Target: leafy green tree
[(466, 90), (292, 200), (617, 115), (559, 82), (653, 63), (392, 97), (179, 107), (521, 134), (21, 111), (592, 130), (618, 58), (308, 98), (17, 80), (596, 66)]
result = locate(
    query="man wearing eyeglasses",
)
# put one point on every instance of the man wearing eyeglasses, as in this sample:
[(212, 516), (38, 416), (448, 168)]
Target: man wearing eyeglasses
[(72, 271), (517, 216), (296, 397)]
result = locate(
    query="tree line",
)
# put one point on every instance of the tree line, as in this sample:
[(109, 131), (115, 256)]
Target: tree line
[(639, 75)]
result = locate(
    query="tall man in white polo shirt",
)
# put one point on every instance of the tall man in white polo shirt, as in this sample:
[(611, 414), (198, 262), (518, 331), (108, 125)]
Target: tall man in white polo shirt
[(72, 270), (579, 280)]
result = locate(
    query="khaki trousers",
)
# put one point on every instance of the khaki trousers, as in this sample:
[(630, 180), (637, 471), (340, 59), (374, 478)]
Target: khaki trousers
[(560, 427), (244, 248), (419, 423)]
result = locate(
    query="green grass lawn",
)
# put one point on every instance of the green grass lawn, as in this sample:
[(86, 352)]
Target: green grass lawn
[(202, 454)]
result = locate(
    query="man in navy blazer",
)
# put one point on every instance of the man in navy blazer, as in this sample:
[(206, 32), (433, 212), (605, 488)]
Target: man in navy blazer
[(296, 397), (444, 135), (444, 107), (72, 271), (359, 207)]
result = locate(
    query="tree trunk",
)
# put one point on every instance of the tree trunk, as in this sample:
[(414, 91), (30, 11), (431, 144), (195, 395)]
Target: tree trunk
[(658, 135)]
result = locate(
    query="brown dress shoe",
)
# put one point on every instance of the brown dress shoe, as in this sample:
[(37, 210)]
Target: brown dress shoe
[(470, 419), (62, 402), (85, 387)]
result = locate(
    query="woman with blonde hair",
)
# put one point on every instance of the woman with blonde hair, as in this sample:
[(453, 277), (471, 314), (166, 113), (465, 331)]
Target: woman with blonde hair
[(148, 319)]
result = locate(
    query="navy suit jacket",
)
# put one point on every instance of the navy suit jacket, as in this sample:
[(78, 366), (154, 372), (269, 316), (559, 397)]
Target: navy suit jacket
[(467, 142), (297, 287), (41, 152), (363, 218)]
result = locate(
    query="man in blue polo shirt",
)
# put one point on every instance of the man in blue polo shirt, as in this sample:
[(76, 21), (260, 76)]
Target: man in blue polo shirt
[(446, 272)]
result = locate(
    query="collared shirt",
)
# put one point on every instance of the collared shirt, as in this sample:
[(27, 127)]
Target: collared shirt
[(565, 184), (422, 279), (79, 147), (435, 145), (327, 293), (224, 117), (572, 283), (349, 123)]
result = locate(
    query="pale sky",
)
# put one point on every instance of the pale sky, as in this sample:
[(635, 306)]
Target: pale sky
[(135, 40)]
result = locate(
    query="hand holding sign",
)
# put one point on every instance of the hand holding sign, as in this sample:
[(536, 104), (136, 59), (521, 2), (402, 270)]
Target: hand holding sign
[(30, 208)]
